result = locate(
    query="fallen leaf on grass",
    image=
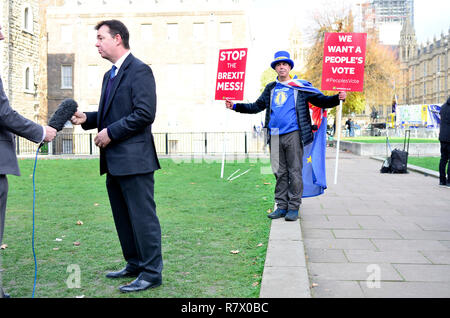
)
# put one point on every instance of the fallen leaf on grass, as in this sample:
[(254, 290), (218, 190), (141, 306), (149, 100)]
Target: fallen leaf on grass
[(76, 243), (95, 204), (255, 284), (269, 211), (79, 222), (56, 248), (58, 240), (4, 246), (267, 183), (234, 251), (260, 244)]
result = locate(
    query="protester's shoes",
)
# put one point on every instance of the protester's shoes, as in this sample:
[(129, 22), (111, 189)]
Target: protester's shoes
[(139, 284), (123, 273), (292, 215), (278, 213), (444, 184)]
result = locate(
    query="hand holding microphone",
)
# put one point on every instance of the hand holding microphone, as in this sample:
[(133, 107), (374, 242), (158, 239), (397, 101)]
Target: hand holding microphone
[(64, 113), (56, 123), (50, 133), (78, 118)]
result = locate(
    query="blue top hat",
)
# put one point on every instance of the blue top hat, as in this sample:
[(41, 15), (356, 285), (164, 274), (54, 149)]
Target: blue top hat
[(282, 56)]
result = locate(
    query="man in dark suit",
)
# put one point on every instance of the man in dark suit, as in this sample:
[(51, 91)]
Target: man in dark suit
[(11, 124), (128, 155), (444, 139)]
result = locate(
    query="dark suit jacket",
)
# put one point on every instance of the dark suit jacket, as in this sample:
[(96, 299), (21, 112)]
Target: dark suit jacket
[(13, 123), (444, 131), (128, 115)]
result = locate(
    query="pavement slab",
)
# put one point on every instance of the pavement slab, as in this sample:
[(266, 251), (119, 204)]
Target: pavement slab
[(371, 235)]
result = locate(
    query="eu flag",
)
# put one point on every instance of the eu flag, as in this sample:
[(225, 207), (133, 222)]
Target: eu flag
[(313, 173)]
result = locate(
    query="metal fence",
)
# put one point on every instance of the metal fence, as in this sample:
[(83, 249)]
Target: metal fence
[(204, 143), (194, 144), (429, 133)]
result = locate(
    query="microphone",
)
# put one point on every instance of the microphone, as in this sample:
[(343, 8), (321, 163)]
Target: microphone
[(65, 111)]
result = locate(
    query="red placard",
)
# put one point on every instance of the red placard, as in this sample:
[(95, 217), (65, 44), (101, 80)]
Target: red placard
[(343, 62), (231, 74)]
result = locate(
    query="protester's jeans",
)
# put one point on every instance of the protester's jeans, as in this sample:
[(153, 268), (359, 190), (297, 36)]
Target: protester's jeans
[(286, 157)]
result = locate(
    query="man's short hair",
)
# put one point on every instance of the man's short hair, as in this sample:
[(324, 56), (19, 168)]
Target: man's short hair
[(116, 27)]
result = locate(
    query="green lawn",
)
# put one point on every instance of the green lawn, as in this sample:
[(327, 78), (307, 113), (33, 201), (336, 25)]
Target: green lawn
[(431, 163), (382, 140), (203, 218)]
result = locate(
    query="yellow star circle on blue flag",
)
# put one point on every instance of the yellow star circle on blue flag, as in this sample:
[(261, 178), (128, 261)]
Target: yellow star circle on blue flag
[(280, 98)]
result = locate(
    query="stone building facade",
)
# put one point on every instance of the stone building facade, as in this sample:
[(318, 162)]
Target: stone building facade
[(179, 40), (425, 69), (20, 57)]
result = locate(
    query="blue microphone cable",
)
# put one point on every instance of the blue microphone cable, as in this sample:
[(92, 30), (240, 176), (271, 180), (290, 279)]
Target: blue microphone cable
[(34, 210)]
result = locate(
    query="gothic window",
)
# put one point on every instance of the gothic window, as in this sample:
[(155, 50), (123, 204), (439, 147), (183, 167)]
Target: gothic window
[(28, 79), (27, 19)]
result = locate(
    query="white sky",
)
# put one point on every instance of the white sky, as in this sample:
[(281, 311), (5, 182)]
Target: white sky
[(272, 21), (431, 16)]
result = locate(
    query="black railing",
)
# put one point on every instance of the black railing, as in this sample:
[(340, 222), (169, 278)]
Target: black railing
[(194, 143)]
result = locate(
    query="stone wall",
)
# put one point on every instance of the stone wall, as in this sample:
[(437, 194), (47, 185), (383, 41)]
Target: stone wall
[(21, 51)]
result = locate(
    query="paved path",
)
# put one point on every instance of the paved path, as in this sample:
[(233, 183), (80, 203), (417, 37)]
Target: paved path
[(370, 235)]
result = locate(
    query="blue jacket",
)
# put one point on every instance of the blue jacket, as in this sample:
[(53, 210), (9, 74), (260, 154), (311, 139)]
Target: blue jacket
[(301, 105)]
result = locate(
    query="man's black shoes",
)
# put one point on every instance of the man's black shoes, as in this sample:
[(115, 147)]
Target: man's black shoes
[(444, 184), (139, 284), (123, 273)]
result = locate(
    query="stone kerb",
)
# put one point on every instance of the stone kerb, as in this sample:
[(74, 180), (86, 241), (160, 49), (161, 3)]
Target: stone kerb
[(372, 149)]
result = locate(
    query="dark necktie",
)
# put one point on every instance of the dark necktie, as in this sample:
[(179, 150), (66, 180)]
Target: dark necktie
[(112, 75)]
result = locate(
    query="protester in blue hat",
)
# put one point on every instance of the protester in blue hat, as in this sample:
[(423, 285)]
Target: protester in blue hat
[(288, 121), (282, 56)]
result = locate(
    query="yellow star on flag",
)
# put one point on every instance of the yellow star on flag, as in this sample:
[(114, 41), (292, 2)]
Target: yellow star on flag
[(309, 159)]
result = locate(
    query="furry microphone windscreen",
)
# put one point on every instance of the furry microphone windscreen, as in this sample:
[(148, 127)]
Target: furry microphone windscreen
[(65, 111)]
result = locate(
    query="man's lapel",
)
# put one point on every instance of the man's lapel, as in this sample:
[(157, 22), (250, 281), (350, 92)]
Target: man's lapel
[(102, 97)]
